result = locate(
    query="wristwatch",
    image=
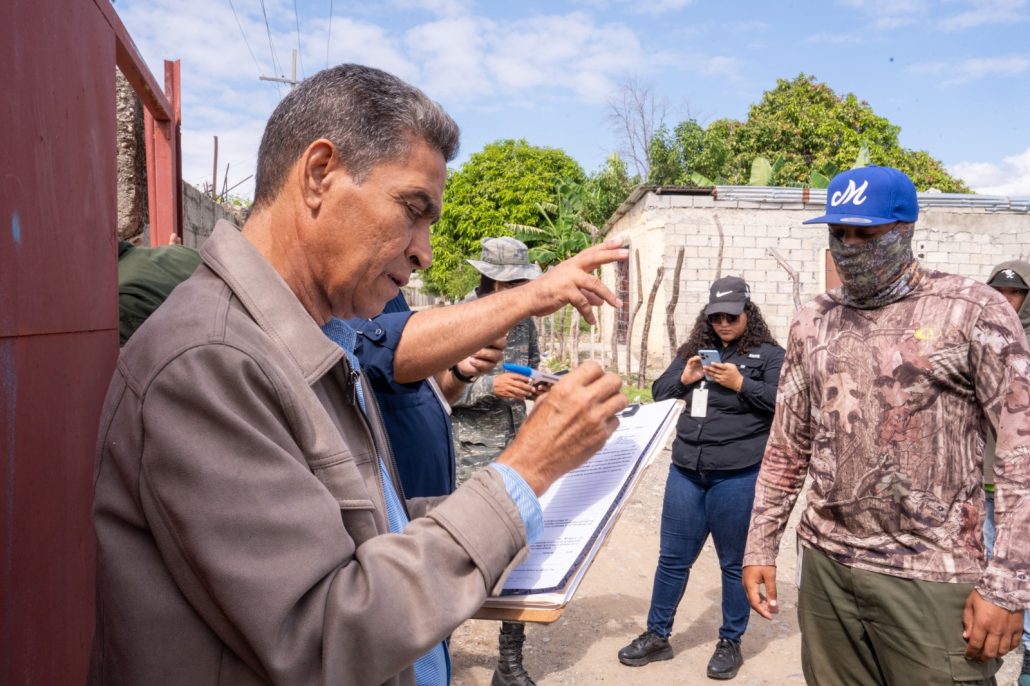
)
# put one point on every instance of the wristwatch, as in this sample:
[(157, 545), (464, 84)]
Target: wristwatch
[(461, 377)]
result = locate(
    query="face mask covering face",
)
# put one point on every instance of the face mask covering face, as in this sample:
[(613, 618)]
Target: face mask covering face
[(876, 273)]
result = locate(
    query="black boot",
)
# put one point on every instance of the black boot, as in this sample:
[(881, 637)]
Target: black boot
[(510, 671)]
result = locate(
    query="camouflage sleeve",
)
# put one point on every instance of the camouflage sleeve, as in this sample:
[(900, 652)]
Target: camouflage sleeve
[(482, 387), (534, 345), (787, 455), (1001, 362)]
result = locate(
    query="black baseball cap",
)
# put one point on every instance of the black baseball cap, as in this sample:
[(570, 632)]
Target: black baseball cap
[(728, 294), (1008, 278)]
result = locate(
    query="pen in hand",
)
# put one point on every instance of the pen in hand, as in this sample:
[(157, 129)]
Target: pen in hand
[(535, 375)]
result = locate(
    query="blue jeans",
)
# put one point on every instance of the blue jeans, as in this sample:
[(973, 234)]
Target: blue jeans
[(696, 504), (989, 545)]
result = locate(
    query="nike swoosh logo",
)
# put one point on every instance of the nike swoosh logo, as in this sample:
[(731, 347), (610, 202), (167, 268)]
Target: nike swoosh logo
[(719, 294)]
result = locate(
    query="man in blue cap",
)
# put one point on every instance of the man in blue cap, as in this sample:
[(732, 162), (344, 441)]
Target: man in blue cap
[(884, 394)]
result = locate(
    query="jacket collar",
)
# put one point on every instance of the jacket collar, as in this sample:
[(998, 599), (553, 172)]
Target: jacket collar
[(268, 299)]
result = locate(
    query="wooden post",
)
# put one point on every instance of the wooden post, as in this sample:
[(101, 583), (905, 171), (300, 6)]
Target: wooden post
[(670, 309), (633, 314), (647, 326)]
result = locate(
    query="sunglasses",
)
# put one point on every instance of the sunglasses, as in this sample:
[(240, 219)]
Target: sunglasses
[(723, 317)]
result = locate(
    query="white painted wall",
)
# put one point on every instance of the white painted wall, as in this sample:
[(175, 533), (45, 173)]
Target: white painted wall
[(961, 240)]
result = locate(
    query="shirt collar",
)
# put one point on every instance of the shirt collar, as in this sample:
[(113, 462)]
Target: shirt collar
[(269, 301)]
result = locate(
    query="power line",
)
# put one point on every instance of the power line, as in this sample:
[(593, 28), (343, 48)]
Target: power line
[(330, 35), (271, 45), (299, 51), (245, 41)]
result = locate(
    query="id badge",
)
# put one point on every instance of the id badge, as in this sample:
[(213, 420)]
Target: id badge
[(699, 401)]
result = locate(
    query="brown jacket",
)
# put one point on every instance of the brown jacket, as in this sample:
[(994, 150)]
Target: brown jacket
[(239, 511)]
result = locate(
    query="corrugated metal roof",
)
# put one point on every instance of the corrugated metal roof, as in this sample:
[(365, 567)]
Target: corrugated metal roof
[(762, 194), (778, 195)]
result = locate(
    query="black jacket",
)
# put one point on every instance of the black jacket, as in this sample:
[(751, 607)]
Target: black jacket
[(733, 432)]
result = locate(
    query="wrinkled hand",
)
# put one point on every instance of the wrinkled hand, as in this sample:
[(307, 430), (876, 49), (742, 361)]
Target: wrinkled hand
[(726, 374), (572, 282), (567, 426), (756, 576), (990, 631), (485, 359), (692, 371), (511, 385)]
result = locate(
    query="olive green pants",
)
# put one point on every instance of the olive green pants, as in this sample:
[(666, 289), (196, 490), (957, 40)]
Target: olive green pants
[(861, 628)]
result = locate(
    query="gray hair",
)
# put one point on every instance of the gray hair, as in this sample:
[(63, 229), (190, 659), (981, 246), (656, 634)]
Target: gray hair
[(370, 116)]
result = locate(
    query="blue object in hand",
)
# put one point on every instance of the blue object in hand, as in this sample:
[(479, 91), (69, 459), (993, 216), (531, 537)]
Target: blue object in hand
[(535, 375)]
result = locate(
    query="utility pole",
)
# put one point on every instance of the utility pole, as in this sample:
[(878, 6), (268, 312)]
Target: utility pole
[(214, 173), (292, 81)]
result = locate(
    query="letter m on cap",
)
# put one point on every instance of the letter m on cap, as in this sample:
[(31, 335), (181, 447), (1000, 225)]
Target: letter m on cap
[(850, 195)]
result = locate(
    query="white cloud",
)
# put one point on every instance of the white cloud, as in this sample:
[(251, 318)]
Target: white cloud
[(973, 69), (1009, 177), (888, 14), (654, 7), (827, 38), (985, 13), (450, 55), (442, 8), (458, 55)]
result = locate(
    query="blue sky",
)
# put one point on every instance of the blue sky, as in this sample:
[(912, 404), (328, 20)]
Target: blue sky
[(953, 74)]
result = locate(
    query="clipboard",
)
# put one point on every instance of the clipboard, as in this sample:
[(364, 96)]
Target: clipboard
[(541, 588)]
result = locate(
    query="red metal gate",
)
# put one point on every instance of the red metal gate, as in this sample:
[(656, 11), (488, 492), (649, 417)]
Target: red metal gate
[(58, 312)]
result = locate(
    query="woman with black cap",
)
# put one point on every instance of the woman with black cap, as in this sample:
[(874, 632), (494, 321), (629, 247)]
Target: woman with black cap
[(718, 449)]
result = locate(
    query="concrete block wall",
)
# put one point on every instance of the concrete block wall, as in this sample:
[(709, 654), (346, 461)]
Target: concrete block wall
[(966, 241), (199, 214)]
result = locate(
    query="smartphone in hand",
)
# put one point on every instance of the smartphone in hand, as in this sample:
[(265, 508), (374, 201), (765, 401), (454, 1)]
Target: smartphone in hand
[(708, 356)]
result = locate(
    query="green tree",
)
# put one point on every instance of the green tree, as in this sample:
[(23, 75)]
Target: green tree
[(605, 190), (812, 129), (504, 183), (691, 155), (563, 232)]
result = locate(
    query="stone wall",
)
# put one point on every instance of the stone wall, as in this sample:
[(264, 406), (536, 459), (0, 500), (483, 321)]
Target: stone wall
[(132, 161), (960, 234)]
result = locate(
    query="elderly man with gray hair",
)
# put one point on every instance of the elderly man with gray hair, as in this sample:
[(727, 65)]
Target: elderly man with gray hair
[(251, 528)]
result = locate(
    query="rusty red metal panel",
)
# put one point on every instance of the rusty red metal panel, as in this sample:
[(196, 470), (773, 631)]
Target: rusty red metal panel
[(57, 164), (54, 387), (134, 68), (58, 326), (164, 164)]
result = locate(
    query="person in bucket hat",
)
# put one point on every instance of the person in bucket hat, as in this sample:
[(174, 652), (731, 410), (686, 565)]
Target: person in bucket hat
[(505, 259), (886, 387), (493, 407)]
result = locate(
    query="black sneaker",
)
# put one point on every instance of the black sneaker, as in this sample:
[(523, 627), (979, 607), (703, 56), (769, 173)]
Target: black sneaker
[(647, 647), (726, 660)]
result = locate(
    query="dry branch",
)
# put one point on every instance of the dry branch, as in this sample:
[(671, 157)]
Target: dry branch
[(633, 314), (791, 272), (670, 308), (722, 245), (647, 325)]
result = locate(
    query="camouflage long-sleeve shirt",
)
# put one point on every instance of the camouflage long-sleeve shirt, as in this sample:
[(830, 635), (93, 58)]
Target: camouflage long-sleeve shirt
[(485, 424), (886, 410)]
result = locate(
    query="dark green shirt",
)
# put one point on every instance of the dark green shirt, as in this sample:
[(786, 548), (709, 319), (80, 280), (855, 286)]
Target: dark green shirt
[(145, 278)]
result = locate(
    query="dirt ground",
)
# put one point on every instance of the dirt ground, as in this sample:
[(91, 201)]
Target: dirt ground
[(610, 610)]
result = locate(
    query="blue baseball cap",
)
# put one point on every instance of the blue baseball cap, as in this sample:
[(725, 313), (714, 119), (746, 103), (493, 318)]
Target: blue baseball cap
[(869, 196)]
